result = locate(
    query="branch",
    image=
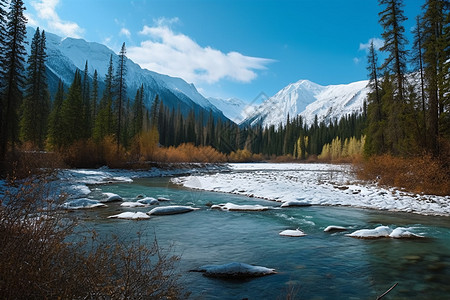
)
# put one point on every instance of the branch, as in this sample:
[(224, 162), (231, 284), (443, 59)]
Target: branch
[(385, 293)]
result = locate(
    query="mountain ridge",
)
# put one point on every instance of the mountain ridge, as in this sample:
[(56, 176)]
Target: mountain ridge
[(309, 99)]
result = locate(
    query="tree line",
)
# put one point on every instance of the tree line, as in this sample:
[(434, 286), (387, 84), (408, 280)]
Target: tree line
[(409, 110)]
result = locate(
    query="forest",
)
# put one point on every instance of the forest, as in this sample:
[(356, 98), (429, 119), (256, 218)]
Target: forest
[(406, 114)]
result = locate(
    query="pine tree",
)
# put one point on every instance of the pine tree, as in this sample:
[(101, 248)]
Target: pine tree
[(138, 112), (121, 92), (86, 108), (104, 121), (13, 75), (71, 114), (391, 19), (94, 98), (375, 129), (435, 57), (36, 104), (55, 124), (417, 61)]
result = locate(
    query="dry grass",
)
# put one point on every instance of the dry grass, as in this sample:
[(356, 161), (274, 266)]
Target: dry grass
[(189, 153), (417, 174)]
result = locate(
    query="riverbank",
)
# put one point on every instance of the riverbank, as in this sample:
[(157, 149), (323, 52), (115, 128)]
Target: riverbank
[(315, 184)]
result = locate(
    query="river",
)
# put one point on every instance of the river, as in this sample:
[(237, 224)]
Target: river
[(319, 265)]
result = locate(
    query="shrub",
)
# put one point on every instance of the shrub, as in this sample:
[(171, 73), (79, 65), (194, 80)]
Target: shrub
[(42, 258), (416, 174)]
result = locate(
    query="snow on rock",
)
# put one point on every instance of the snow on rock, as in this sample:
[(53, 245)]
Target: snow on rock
[(82, 203), (295, 203), (384, 231), (163, 199), (234, 207), (403, 233), (133, 204), (380, 231), (293, 233), (235, 270), (110, 197), (171, 210), (333, 228), (148, 201), (131, 216)]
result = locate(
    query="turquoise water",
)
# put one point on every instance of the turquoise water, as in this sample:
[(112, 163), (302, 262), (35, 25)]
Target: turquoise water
[(318, 266)]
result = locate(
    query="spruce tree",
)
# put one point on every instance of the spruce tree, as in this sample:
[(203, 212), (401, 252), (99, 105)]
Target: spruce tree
[(104, 121), (86, 108), (435, 57), (417, 62), (375, 130), (391, 19), (13, 75), (55, 123), (72, 113), (138, 112), (36, 104), (94, 97), (121, 93)]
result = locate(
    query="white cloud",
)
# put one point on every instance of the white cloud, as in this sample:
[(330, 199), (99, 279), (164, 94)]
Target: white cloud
[(377, 43), (356, 60), (178, 55), (125, 32), (46, 11)]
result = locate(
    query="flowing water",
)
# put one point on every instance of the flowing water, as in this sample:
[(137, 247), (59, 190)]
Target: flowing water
[(317, 266)]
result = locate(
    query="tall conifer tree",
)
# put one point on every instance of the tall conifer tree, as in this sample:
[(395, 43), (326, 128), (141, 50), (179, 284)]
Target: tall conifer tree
[(36, 104), (13, 75), (55, 124), (435, 57), (121, 92)]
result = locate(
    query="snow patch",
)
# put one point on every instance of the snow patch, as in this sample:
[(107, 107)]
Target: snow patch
[(131, 216), (234, 207), (171, 210), (235, 270), (293, 233), (82, 203)]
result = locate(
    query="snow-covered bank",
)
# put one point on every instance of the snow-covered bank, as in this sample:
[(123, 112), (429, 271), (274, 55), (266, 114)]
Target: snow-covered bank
[(74, 182), (316, 184)]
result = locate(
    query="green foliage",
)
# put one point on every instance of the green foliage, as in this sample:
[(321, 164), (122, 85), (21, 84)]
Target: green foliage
[(36, 104), (12, 75)]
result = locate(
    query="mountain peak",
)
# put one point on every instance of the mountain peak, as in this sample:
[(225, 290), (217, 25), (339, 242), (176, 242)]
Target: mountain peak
[(309, 99)]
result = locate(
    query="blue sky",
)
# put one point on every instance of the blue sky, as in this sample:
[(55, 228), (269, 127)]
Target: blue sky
[(232, 48)]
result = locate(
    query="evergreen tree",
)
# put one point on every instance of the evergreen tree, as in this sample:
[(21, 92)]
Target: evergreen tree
[(71, 114), (375, 130), (391, 19), (94, 98), (36, 104), (121, 92), (435, 57), (55, 124), (86, 108), (13, 75), (138, 112), (3, 33), (104, 121), (417, 61)]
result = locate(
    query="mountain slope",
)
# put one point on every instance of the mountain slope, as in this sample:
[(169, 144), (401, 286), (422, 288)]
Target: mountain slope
[(309, 99), (234, 109), (67, 55)]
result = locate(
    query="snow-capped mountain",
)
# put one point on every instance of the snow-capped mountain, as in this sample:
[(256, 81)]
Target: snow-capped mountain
[(234, 109), (67, 55), (309, 99)]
